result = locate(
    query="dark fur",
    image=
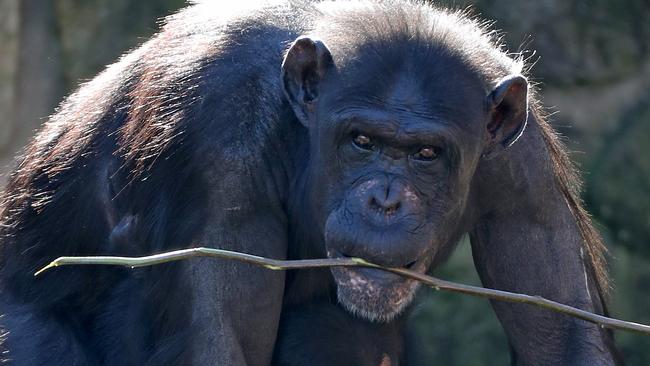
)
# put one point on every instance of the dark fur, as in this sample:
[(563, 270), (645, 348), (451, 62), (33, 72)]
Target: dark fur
[(189, 141), (324, 334)]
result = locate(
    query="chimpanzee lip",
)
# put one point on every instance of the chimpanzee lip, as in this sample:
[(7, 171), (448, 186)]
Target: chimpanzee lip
[(379, 274), (376, 275)]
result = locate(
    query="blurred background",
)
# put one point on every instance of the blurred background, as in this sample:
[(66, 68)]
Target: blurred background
[(593, 63)]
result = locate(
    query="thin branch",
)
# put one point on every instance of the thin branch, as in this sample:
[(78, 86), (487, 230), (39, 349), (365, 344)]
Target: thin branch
[(275, 264)]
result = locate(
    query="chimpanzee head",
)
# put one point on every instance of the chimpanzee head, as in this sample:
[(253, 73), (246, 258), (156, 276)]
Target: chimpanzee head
[(397, 127)]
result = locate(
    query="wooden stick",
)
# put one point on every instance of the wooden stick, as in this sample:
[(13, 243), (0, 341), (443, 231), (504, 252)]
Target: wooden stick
[(276, 265)]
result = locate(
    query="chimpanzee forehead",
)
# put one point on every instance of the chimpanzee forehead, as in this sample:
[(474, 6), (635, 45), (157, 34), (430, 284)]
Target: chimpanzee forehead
[(438, 92)]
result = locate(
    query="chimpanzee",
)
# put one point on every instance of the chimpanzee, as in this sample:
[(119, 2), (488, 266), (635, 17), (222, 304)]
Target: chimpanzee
[(383, 130)]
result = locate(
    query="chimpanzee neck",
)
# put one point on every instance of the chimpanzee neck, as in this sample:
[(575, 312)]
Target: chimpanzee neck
[(527, 238), (306, 238)]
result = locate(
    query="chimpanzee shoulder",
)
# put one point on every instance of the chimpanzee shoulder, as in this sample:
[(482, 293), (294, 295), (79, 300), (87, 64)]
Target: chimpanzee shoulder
[(125, 167)]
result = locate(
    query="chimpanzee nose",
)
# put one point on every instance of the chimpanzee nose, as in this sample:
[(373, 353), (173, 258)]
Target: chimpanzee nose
[(386, 199)]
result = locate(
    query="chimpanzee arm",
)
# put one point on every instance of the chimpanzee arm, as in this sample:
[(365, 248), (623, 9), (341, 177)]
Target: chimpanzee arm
[(235, 307), (155, 154), (528, 240)]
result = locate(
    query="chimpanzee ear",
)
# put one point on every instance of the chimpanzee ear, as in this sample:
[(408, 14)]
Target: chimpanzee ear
[(508, 112), (303, 68)]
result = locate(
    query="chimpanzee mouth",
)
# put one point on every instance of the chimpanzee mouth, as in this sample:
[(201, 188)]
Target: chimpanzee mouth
[(374, 294), (373, 274)]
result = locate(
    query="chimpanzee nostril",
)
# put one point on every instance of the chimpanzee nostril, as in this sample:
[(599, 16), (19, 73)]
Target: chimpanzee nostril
[(385, 199), (387, 206)]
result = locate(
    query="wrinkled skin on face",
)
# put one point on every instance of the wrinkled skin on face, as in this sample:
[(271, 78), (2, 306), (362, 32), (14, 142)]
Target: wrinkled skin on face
[(391, 163), (394, 172)]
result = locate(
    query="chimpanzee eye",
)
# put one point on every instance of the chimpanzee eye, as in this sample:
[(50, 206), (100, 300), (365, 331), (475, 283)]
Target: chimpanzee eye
[(363, 142), (427, 153)]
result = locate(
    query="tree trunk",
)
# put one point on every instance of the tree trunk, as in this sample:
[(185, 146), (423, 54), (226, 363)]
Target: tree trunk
[(39, 77)]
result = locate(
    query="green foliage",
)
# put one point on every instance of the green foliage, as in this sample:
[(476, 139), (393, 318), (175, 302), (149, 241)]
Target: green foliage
[(619, 183), (630, 301), (580, 42), (454, 329)]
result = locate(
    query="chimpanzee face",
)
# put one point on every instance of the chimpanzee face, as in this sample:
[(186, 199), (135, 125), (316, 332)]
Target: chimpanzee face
[(393, 151), (392, 156)]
